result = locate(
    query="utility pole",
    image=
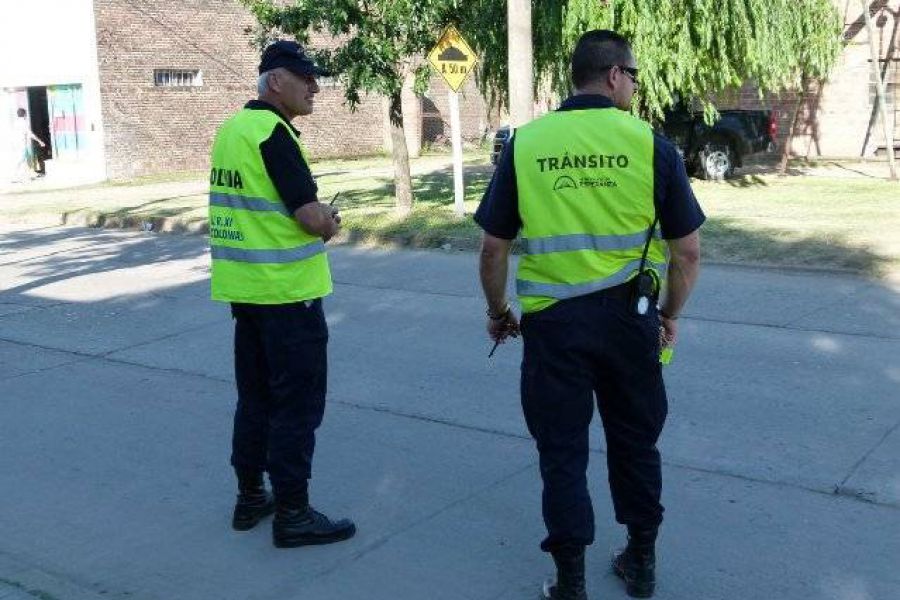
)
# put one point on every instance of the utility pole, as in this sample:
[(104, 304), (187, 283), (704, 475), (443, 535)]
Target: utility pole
[(520, 61), (879, 87)]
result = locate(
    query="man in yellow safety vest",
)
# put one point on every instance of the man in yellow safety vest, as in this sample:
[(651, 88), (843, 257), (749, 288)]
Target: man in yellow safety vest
[(267, 234), (608, 221)]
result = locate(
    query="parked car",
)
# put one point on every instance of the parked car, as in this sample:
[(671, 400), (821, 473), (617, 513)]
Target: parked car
[(709, 152), (714, 151)]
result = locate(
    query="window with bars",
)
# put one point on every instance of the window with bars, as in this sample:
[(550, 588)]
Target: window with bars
[(177, 78), (328, 81)]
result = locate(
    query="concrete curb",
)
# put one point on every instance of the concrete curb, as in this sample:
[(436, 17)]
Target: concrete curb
[(420, 240), (99, 219)]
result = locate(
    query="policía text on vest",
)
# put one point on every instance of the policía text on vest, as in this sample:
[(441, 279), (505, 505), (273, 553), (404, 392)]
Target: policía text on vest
[(226, 178)]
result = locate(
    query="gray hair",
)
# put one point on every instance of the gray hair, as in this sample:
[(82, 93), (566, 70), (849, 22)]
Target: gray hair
[(262, 84)]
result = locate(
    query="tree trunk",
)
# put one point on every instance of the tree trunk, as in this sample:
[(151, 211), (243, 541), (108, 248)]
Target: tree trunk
[(412, 115), (402, 180), (786, 151), (519, 60)]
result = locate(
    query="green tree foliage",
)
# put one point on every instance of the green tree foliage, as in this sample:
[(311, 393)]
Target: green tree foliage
[(691, 49), (379, 45), (379, 41), (686, 49)]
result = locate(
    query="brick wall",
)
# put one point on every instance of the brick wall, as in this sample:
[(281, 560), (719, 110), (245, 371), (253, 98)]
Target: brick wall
[(150, 129), (838, 119), (332, 130)]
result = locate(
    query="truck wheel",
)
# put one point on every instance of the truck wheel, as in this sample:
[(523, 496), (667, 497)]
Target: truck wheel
[(716, 161)]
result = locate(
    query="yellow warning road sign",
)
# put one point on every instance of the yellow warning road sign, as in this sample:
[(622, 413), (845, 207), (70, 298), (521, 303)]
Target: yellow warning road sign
[(453, 58)]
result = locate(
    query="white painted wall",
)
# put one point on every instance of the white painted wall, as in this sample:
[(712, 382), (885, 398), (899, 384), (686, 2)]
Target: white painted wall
[(53, 42)]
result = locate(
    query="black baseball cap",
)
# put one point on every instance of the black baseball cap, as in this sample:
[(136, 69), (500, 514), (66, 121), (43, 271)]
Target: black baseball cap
[(291, 56)]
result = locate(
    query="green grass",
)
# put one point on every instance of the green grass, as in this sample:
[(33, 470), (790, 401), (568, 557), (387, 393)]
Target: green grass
[(168, 177), (368, 208), (810, 222), (827, 222), (803, 221)]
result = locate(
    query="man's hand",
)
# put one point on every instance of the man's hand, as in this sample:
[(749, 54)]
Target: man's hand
[(318, 218), (505, 327), (331, 214), (668, 333)]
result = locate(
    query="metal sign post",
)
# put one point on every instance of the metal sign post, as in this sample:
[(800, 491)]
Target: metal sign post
[(454, 60), (455, 130)]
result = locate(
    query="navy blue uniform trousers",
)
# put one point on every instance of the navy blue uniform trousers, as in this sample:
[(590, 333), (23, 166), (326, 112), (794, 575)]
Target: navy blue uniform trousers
[(280, 358), (577, 350)]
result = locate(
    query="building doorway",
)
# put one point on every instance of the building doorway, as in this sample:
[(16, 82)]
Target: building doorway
[(39, 114), (56, 115)]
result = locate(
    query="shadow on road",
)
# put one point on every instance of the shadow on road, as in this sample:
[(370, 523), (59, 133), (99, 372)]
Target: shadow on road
[(78, 253)]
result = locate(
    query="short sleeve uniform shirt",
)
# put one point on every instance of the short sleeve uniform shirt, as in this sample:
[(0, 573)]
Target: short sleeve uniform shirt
[(677, 207), (285, 165)]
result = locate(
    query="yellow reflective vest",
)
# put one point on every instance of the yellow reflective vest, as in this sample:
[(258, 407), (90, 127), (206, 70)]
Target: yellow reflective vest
[(260, 254), (585, 192)]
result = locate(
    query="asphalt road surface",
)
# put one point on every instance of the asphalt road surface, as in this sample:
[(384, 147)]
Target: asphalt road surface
[(782, 449)]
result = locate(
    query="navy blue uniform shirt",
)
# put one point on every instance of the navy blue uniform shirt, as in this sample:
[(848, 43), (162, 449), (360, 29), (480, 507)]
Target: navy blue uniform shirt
[(679, 212), (285, 165)]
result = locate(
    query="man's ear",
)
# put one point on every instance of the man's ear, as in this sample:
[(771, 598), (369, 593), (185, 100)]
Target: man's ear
[(274, 80), (612, 76)]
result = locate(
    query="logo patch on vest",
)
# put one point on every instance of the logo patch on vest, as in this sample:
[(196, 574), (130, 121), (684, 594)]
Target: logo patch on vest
[(583, 162), (564, 182)]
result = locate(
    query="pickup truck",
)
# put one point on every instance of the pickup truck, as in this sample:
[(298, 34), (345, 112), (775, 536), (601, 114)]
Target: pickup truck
[(710, 152), (713, 152)]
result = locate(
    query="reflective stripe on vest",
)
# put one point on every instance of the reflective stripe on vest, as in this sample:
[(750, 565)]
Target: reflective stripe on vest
[(246, 203), (260, 254), (561, 291), (585, 182), (584, 241), (286, 255)]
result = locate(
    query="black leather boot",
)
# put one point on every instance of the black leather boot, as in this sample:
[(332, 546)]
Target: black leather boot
[(636, 564), (254, 503), (293, 527), (569, 583)]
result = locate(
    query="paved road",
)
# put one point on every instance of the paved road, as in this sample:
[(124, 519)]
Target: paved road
[(782, 450)]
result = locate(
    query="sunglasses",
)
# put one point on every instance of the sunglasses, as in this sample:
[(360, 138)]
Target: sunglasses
[(630, 71)]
